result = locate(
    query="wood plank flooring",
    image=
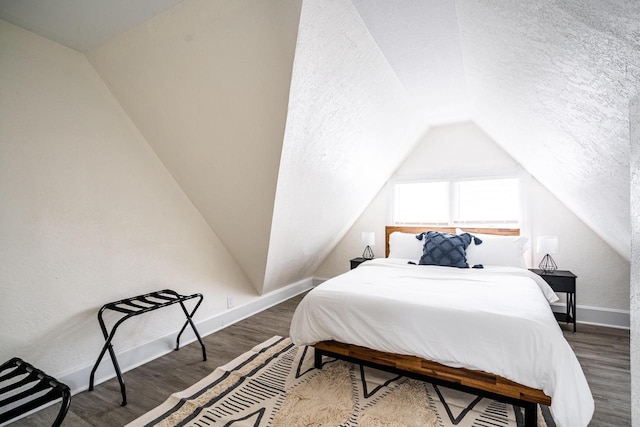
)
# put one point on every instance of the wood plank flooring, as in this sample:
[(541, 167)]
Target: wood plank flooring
[(603, 353)]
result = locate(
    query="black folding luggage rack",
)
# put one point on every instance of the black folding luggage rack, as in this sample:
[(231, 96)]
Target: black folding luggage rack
[(135, 306), (30, 392)]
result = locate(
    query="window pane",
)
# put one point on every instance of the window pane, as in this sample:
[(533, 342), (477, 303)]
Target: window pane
[(422, 203), (493, 200)]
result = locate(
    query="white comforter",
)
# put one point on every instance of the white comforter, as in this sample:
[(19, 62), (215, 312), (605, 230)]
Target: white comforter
[(496, 319)]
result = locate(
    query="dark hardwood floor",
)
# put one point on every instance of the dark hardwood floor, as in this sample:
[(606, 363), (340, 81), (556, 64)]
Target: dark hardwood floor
[(603, 353)]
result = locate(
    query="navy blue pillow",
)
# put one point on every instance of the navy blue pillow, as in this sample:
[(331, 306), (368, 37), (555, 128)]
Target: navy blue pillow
[(445, 249)]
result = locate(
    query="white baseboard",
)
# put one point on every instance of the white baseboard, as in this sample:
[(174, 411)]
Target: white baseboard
[(318, 280), (78, 379), (599, 316)]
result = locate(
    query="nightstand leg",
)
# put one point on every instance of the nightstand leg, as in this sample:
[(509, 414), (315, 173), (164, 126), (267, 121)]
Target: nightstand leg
[(571, 310), (573, 305)]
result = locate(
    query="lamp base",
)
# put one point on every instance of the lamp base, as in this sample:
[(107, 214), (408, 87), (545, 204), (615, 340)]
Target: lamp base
[(547, 264), (368, 253)]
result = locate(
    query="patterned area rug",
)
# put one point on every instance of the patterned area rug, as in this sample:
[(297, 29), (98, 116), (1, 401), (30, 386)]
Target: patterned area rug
[(275, 384)]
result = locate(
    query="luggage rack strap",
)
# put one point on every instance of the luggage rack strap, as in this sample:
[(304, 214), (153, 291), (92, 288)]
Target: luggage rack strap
[(133, 306), (31, 397)]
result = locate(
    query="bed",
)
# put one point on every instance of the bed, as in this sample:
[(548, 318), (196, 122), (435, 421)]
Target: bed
[(486, 330)]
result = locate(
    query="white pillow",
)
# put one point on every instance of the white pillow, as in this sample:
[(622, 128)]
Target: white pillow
[(497, 250), (405, 245)]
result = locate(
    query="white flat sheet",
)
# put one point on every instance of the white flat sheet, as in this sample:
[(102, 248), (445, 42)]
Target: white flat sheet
[(495, 319)]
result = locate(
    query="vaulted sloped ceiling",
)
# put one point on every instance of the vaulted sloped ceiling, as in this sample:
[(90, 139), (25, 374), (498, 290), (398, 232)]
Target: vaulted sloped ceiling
[(207, 83), (81, 24), (212, 84), (421, 41), (549, 80), (349, 126)]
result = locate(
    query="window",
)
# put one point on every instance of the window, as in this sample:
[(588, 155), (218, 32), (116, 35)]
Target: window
[(488, 201), (422, 202), (458, 202)]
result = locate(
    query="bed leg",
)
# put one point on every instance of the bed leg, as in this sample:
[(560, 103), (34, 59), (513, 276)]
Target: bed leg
[(317, 359), (531, 415)]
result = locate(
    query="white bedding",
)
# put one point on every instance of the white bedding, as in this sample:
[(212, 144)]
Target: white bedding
[(495, 319)]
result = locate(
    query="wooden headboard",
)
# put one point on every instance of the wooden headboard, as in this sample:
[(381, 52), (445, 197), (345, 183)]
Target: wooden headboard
[(419, 229)]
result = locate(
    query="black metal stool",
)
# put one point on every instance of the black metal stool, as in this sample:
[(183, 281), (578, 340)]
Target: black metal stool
[(37, 388), (135, 306)]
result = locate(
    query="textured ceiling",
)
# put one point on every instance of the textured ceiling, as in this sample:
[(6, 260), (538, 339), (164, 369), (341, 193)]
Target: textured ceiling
[(342, 139), (549, 80), (421, 41)]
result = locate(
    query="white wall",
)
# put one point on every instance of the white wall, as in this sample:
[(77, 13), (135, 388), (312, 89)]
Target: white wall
[(346, 105), (207, 83), (465, 150), (88, 215), (634, 118)]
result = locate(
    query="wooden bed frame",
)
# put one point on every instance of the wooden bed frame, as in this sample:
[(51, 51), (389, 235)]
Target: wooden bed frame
[(416, 230), (471, 381)]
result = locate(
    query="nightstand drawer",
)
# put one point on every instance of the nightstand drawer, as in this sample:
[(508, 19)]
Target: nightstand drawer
[(561, 284)]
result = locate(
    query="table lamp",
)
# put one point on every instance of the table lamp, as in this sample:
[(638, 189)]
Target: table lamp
[(368, 239), (547, 245)]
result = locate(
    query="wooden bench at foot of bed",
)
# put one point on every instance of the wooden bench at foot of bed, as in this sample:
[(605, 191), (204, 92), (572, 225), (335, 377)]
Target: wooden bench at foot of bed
[(471, 381)]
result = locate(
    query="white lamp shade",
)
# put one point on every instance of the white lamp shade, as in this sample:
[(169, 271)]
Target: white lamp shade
[(547, 245), (368, 238)]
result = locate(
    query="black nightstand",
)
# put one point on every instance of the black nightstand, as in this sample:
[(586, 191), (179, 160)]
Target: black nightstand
[(357, 261), (562, 281)]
